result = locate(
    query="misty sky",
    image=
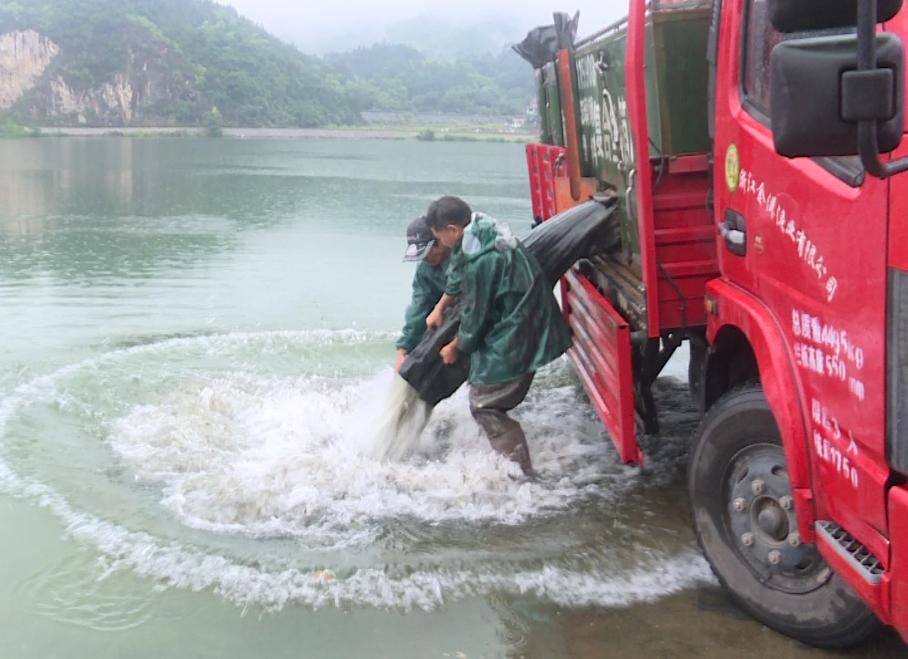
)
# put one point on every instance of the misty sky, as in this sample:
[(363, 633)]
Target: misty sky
[(316, 26)]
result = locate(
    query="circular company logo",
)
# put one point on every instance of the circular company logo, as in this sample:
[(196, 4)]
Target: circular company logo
[(732, 168)]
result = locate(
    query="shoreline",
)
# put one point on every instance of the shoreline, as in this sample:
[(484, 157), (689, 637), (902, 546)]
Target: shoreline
[(458, 134)]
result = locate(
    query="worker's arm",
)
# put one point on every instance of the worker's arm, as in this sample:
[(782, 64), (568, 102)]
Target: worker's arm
[(421, 303), (434, 319), (452, 290)]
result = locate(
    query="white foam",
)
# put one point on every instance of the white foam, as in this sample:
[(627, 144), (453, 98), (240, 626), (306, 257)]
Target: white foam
[(270, 456), (176, 566)]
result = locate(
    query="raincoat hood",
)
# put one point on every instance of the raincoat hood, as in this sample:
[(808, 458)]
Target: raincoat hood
[(483, 235)]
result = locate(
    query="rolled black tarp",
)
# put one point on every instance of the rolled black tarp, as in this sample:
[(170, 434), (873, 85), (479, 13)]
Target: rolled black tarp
[(541, 44), (583, 231), (586, 230)]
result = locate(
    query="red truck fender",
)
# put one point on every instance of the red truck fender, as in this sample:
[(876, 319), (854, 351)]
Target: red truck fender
[(731, 307)]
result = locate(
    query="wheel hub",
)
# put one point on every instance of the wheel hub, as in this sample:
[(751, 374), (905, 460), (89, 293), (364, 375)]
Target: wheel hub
[(771, 519), (761, 520)]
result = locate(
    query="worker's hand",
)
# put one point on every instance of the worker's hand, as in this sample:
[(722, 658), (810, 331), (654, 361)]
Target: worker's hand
[(434, 319), (450, 352), (401, 356)]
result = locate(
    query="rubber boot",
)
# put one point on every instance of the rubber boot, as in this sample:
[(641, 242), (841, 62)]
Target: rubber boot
[(513, 445)]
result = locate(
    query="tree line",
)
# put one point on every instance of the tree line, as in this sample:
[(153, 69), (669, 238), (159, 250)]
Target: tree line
[(209, 57)]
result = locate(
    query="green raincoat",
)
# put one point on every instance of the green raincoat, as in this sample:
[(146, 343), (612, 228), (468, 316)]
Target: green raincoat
[(428, 286), (511, 324)]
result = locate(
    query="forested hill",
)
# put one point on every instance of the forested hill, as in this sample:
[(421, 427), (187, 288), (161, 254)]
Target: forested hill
[(164, 62), (401, 78), (173, 62)]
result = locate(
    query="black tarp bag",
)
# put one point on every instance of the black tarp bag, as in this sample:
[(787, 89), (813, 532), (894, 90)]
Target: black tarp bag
[(423, 368), (586, 230), (541, 44)]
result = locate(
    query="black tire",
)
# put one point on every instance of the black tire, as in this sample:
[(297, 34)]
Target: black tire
[(737, 480)]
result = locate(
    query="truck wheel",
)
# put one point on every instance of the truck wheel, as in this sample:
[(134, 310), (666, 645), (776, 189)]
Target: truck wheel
[(744, 518)]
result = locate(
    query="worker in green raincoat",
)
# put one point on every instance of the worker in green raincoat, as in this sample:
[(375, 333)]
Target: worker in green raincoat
[(510, 326), (428, 284)]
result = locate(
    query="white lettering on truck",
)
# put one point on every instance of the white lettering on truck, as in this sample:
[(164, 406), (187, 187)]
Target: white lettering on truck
[(827, 437), (788, 227), (825, 350)]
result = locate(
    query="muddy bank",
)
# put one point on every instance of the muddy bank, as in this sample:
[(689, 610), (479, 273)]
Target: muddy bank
[(702, 623)]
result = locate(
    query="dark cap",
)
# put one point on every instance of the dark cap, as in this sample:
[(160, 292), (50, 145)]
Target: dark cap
[(419, 240)]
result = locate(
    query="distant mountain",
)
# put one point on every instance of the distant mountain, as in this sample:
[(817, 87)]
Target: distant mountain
[(445, 39), (442, 33), (193, 62), (395, 77), (159, 62), (439, 36)]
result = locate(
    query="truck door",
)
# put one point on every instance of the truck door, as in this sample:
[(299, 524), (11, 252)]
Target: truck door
[(807, 238)]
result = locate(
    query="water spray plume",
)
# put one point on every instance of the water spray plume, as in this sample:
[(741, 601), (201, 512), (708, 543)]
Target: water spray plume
[(402, 419)]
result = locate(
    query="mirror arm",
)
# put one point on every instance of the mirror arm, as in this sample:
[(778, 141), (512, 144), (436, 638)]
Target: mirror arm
[(868, 140), (870, 153)]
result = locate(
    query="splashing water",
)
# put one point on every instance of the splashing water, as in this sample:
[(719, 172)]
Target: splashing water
[(222, 468), (399, 425), (307, 458)]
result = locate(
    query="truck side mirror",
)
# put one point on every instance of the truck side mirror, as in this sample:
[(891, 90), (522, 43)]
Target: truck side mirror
[(862, 81), (797, 15), (818, 95)]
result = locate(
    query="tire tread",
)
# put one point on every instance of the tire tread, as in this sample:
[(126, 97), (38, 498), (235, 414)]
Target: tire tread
[(861, 622)]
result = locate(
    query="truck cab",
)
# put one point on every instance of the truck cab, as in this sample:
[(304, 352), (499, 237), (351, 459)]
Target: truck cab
[(755, 149)]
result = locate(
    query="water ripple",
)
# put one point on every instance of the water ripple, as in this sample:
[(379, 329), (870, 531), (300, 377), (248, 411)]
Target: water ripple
[(75, 592)]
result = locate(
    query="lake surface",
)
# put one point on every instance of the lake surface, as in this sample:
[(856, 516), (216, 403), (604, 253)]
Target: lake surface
[(196, 340)]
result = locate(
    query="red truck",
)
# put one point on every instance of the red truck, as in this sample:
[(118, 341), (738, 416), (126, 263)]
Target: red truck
[(752, 147)]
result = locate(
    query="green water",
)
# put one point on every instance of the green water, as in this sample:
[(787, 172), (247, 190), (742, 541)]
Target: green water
[(196, 342), (107, 239)]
